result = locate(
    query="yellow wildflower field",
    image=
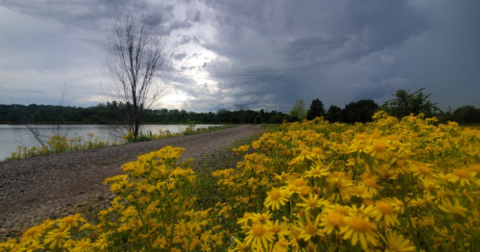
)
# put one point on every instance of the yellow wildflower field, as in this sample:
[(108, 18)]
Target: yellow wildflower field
[(389, 185)]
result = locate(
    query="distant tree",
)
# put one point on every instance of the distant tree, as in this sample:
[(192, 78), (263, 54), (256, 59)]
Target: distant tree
[(136, 54), (316, 109), (298, 111), (17, 114), (276, 119), (360, 111), (258, 119), (334, 114), (467, 115), (240, 106), (406, 103), (224, 116)]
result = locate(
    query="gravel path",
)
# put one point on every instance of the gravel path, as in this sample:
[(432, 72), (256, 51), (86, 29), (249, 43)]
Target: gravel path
[(34, 189)]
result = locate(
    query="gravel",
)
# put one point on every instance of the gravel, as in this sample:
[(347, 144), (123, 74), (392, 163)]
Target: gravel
[(34, 189)]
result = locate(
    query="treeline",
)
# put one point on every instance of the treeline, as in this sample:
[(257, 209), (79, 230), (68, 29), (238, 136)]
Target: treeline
[(403, 104), (363, 110), (108, 113)]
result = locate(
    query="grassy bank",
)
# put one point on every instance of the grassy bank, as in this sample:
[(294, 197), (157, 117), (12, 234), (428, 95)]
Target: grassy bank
[(59, 144)]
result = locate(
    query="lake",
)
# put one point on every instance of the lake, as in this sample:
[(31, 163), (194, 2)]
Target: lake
[(19, 135)]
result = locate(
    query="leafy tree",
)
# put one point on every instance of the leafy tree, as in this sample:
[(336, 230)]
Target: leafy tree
[(17, 114), (298, 111), (316, 109), (360, 111), (406, 103), (467, 115), (258, 119), (334, 114), (276, 119)]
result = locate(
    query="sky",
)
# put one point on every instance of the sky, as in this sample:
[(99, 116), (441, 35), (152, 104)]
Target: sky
[(252, 54)]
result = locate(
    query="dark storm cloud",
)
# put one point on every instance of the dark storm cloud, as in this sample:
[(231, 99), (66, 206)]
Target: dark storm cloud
[(345, 50), (381, 24), (259, 87), (270, 45), (312, 49), (96, 14)]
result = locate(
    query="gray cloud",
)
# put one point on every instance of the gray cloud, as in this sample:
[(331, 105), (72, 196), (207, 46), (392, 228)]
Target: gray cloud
[(264, 54), (180, 56)]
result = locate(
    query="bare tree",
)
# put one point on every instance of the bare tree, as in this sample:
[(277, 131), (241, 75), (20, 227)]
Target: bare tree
[(135, 55)]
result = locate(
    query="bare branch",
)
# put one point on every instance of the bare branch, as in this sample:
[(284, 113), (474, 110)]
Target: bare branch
[(135, 56)]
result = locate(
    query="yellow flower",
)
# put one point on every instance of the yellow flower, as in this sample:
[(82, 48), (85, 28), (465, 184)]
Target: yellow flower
[(304, 155), (56, 238), (71, 221), (281, 245), (455, 210), (396, 243), (259, 236), (370, 182), (361, 137), (283, 177), (83, 245), (312, 203), (387, 171), (333, 219), (398, 206), (276, 197), (296, 185), (317, 171), (33, 233), (318, 152), (263, 218), (422, 170), (463, 175), (310, 229), (102, 242), (378, 149), (241, 246), (359, 228), (279, 229), (33, 246), (474, 168), (427, 222), (246, 217), (384, 209)]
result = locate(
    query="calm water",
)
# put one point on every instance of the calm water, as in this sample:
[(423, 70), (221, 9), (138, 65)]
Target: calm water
[(18, 135)]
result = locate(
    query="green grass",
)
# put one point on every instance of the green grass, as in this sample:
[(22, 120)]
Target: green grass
[(206, 185), (271, 127)]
